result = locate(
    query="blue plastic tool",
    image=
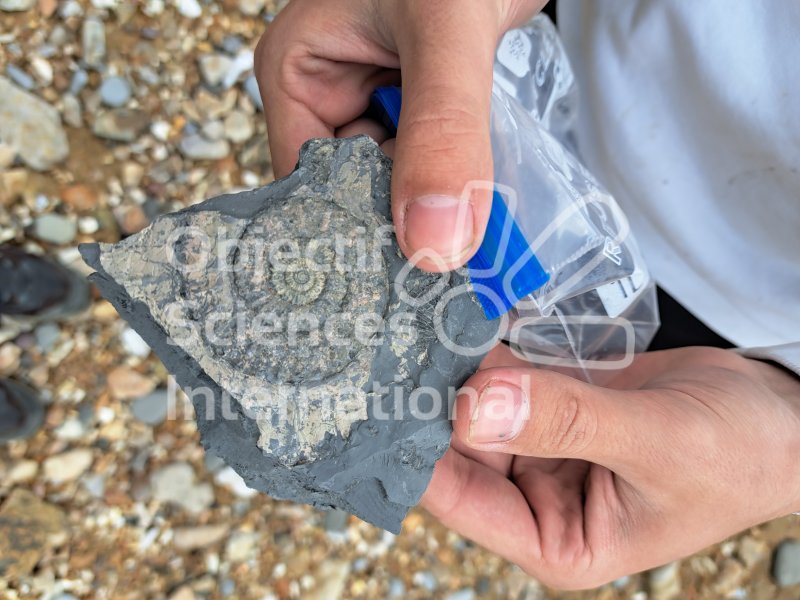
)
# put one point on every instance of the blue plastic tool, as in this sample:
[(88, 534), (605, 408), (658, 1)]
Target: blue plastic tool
[(505, 269)]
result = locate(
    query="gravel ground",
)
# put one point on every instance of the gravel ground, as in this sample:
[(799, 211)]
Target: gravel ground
[(112, 112)]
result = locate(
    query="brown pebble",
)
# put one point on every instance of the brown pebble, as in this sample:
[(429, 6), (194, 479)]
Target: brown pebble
[(79, 197)]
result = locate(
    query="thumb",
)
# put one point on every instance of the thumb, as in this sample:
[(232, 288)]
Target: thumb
[(446, 57), (531, 412)]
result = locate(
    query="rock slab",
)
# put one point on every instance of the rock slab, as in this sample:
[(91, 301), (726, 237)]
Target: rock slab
[(320, 363)]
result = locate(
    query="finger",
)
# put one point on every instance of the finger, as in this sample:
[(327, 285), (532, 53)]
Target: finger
[(312, 82), (538, 413), (364, 126), (483, 505), (443, 136)]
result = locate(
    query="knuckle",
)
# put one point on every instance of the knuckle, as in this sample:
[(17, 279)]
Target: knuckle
[(572, 425)]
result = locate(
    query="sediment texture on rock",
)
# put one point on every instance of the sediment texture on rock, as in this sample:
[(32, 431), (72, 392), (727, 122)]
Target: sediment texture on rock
[(320, 363)]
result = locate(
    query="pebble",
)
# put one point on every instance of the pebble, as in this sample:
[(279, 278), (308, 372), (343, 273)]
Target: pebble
[(243, 63), (72, 111), (55, 228), (153, 8), (20, 77), (133, 343), (231, 44), (69, 9), (151, 409), (190, 9), (88, 225), (425, 580), (32, 127), (16, 5), (79, 197), (214, 130), (251, 8), (120, 124), (397, 589), (238, 126), (160, 130), (192, 538), (251, 88), (115, 91), (67, 466), (124, 383), (197, 147), (175, 483), (93, 38), (331, 578), (47, 335), (183, 593), (214, 67), (752, 551), (665, 583), (230, 479), (28, 528), (242, 546), (7, 156), (465, 594), (132, 173), (79, 80), (786, 565), (730, 577), (22, 471), (9, 358), (70, 430), (42, 69)]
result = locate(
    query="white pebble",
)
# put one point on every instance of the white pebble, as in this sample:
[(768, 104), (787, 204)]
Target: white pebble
[(133, 344)]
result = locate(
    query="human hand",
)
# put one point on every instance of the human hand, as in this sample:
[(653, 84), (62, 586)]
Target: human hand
[(320, 61), (685, 448)]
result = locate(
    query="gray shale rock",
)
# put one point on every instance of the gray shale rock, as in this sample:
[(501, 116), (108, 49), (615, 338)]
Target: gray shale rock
[(329, 344)]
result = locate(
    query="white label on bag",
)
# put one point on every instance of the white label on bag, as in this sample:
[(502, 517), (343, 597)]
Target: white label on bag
[(514, 52), (619, 295)]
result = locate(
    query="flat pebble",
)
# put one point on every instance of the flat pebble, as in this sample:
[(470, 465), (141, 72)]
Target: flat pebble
[(151, 409), (79, 80), (242, 546), (214, 67), (238, 126), (47, 335), (192, 538), (188, 8), (20, 77), (251, 88), (133, 343), (16, 5), (251, 8), (665, 583), (230, 479), (175, 484), (197, 147), (786, 565), (67, 466), (115, 91), (120, 124), (72, 110), (124, 383), (55, 228), (465, 594), (32, 127), (93, 37), (425, 580)]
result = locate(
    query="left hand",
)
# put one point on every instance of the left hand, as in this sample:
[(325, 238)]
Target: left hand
[(581, 484)]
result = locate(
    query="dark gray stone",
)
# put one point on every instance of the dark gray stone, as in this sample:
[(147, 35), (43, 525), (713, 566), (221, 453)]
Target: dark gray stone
[(335, 416), (786, 568)]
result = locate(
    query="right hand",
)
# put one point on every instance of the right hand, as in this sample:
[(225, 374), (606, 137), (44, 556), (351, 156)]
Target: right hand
[(319, 62)]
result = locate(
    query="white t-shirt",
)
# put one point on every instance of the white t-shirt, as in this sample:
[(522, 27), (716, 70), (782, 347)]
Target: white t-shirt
[(690, 115)]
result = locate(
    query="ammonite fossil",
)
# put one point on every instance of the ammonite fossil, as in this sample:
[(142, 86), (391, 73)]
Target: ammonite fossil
[(320, 364)]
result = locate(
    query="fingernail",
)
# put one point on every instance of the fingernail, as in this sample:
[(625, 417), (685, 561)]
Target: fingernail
[(440, 225), (499, 415)]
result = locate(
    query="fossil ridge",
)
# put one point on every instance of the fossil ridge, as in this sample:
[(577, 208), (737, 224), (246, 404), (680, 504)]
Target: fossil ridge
[(318, 351)]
